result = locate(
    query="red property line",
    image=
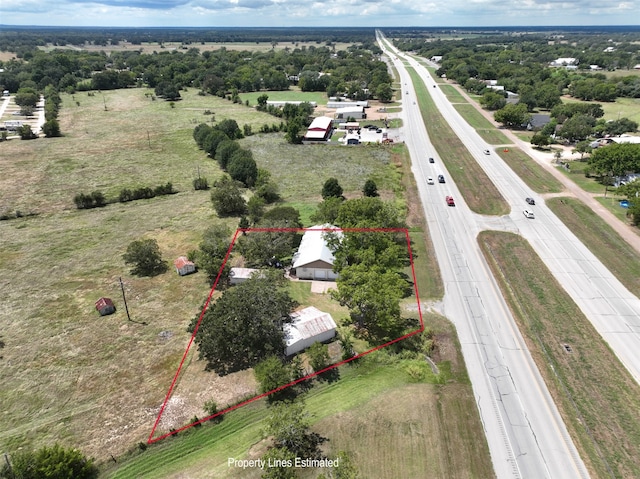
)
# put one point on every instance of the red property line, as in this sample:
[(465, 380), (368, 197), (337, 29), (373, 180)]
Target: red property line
[(151, 440)]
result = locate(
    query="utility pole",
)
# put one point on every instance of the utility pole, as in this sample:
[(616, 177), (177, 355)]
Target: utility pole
[(124, 299)]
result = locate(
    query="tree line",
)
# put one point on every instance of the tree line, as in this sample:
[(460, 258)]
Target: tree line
[(521, 65), (356, 71)]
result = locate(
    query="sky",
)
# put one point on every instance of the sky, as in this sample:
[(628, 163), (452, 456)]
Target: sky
[(303, 13)]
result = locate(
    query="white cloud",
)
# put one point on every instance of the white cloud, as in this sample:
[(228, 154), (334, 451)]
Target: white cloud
[(313, 13)]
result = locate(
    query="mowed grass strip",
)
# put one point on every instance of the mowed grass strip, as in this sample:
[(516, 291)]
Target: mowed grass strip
[(614, 252), (477, 189), (453, 95), (534, 175), (596, 396), (484, 127), (417, 423)]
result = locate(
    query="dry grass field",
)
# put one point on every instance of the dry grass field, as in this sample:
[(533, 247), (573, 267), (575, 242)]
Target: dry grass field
[(97, 383), (392, 422)]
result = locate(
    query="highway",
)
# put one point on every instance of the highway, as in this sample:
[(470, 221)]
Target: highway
[(526, 435)]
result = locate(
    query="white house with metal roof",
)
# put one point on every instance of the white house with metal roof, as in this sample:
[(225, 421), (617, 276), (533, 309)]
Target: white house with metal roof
[(307, 326), (314, 259)]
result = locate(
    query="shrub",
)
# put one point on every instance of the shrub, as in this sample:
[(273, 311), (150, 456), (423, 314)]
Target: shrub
[(200, 183)]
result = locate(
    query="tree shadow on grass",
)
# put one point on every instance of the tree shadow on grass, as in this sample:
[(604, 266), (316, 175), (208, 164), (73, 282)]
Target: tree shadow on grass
[(331, 376)]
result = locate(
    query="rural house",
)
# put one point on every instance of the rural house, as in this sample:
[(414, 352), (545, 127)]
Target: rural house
[(105, 306), (184, 266), (308, 326), (314, 259)]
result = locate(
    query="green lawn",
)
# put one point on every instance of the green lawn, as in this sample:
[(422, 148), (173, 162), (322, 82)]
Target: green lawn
[(612, 203), (620, 108), (452, 94), (576, 174), (596, 396), (534, 175), (484, 127)]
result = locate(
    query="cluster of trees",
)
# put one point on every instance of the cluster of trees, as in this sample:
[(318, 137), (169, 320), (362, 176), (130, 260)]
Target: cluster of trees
[(370, 284), (219, 141), (96, 199), (520, 63), (291, 436), (615, 161), (49, 463), (219, 72), (26, 39), (145, 192), (577, 123)]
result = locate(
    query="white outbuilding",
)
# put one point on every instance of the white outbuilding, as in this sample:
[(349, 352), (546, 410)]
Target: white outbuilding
[(314, 259), (308, 326), (240, 275)]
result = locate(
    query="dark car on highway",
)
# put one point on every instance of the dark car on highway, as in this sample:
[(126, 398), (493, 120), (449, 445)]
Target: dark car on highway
[(431, 160), (531, 201), (440, 179)]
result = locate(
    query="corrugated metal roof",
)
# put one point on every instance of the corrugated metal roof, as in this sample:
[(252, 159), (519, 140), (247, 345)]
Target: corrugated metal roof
[(313, 247), (102, 302), (321, 123), (315, 134), (307, 323)]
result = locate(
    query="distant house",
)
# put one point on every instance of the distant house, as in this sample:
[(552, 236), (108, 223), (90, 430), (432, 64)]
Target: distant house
[(314, 259), (105, 306), (308, 326), (240, 275), (538, 121), (567, 62), (184, 266), (319, 130)]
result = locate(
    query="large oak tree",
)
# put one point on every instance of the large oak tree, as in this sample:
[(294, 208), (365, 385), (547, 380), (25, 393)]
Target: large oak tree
[(244, 325)]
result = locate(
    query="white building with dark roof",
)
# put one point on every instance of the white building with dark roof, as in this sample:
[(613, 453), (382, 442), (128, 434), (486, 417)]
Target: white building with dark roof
[(307, 326), (314, 259)]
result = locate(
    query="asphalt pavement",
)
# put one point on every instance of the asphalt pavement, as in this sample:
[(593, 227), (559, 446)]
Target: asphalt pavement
[(525, 432)]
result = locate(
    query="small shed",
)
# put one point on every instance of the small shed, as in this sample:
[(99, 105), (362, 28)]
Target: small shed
[(240, 275), (308, 326), (105, 306), (184, 266)]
